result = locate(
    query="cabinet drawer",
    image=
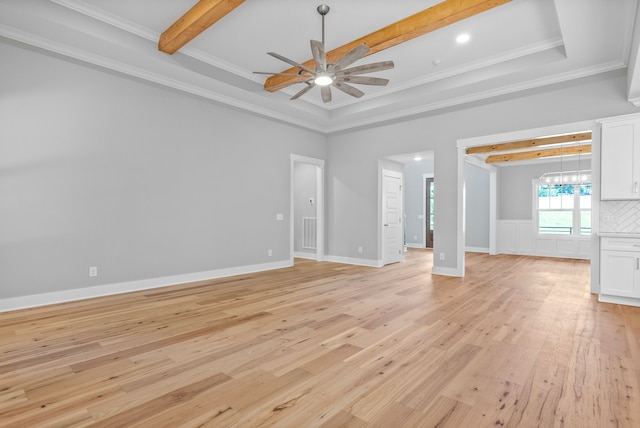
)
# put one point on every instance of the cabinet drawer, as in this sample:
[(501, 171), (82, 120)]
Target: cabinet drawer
[(620, 244)]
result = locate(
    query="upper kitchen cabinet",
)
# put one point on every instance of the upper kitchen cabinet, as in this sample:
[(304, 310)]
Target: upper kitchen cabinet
[(620, 158)]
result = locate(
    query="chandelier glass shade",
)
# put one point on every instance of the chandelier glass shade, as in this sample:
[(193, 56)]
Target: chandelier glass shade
[(566, 177)]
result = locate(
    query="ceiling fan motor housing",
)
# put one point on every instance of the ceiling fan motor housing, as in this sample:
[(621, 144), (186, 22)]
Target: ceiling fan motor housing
[(323, 9)]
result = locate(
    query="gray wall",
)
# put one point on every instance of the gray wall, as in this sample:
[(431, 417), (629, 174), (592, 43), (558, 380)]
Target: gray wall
[(477, 207), (515, 197), (101, 170), (305, 185), (414, 200), (353, 155)]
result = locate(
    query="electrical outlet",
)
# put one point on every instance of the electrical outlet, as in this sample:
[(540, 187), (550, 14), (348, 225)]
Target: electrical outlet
[(279, 217), (93, 271), (441, 256), (270, 253), (415, 237), (360, 250)]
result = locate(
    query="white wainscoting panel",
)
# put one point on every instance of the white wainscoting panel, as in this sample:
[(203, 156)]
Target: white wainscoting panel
[(525, 237), (520, 237), (507, 237)]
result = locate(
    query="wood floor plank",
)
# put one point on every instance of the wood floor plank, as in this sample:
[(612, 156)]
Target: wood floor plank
[(518, 342)]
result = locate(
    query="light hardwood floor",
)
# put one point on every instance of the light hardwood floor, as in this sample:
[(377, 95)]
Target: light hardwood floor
[(519, 342)]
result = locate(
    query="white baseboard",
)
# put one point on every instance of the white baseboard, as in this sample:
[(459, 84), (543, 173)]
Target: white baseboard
[(303, 255), (354, 261), (630, 301), (416, 245), (476, 250), (437, 270), (22, 302)]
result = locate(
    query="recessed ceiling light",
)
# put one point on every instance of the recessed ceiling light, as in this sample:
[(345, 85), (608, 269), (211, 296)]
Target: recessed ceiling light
[(463, 38), (417, 158)]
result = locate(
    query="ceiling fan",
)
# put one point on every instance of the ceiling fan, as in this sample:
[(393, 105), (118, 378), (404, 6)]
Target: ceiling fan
[(334, 74)]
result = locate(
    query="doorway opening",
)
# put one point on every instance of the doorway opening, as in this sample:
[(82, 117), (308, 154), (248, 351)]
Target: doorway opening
[(519, 230), (307, 208), (416, 167), (429, 204)]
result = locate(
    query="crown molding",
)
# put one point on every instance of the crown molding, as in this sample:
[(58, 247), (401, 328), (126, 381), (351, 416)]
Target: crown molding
[(108, 63), (116, 21), (504, 90), (109, 18)]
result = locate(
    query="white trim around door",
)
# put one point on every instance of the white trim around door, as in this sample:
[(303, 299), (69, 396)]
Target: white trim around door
[(320, 226)]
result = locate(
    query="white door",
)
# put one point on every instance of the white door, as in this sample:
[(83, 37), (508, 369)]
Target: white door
[(392, 225)]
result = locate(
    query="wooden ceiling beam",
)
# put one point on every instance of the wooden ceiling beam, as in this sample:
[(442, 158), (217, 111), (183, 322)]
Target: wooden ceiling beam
[(539, 154), (525, 144), (426, 21), (201, 16)]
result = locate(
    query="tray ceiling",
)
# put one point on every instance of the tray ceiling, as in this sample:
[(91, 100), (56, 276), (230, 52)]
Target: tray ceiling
[(523, 44)]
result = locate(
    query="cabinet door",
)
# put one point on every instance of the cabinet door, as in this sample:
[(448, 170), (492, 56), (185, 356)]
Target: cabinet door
[(619, 273), (620, 160)]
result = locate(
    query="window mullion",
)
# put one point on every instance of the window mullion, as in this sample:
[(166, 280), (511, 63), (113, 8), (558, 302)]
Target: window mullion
[(576, 210)]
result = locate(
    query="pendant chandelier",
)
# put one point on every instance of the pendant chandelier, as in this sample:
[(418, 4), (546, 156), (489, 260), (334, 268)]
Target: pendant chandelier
[(566, 177)]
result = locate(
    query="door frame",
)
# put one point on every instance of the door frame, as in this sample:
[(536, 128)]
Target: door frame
[(320, 197), (425, 214)]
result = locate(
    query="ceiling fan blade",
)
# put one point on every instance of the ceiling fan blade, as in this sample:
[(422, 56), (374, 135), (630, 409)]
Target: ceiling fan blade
[(325, 91), (350, 57), (366, 68), (319, 56), (290, 61), (303, 91), (277, 74), (348, 89), (363, 80)]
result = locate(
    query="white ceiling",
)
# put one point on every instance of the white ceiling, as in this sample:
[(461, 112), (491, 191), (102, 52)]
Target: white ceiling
[(520, 45)]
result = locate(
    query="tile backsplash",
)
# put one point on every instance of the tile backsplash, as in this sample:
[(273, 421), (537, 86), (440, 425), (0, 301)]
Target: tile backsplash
[(620, 216)]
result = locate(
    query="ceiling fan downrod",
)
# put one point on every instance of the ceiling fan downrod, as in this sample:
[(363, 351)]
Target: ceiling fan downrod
[(323, 9)]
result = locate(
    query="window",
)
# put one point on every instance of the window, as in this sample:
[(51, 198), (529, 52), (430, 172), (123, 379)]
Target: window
[(563, 209)]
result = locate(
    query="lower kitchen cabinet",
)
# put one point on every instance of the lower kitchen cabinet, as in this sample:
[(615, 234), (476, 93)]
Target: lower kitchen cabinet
[(620, 270)]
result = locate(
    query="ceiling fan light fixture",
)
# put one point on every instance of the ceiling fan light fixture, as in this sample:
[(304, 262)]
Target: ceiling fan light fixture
[(324, 74), (323, 79)]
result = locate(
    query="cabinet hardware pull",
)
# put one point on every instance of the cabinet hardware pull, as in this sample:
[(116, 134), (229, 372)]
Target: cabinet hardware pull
[(635, 187), (638, 263)]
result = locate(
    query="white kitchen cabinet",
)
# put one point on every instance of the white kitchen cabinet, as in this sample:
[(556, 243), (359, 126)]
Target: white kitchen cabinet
[(620, 158), (620, 270)]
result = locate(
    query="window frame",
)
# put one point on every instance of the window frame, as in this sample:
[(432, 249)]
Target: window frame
[(576, 229)]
